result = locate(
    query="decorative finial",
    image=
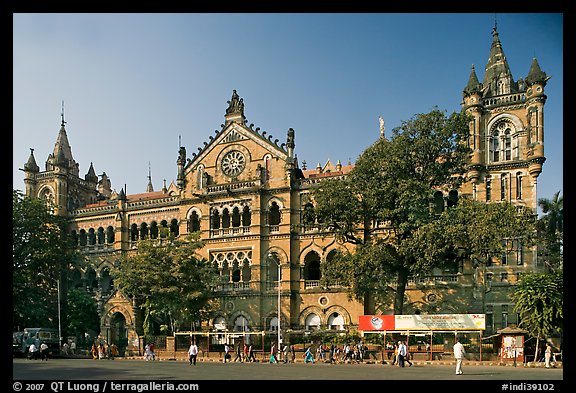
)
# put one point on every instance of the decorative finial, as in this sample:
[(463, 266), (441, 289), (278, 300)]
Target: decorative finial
[(62, 114), (382, 128)]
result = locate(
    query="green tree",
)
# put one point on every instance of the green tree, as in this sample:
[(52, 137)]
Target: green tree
[(82, 314), (169, 281), (385, 208), (42, 256), (551, 229), (539, 299)]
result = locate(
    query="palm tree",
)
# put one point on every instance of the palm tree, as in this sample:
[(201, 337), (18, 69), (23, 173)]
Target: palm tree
[(551, 227)]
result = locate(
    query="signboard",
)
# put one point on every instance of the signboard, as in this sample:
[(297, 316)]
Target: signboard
[(512, 348), (423, 322), (440, 322), (376, 322)]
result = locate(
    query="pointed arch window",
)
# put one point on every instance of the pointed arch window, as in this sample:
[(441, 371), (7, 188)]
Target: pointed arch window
[(225, 218), (274, 214), (336, 321), (518, 186), (312, 322), (110, 235), (91, 237), (174, 227), (134, 232), (246, 217), (495, 147), (235, 217), (194, 223), (143, 231), (100, 235), (154, 230), (215, 219), (507, 144), (503, 186)]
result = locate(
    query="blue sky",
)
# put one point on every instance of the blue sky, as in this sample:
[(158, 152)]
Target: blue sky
[(134, 85)]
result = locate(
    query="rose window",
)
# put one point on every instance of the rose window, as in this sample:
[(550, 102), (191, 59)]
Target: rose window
[(233, 163)]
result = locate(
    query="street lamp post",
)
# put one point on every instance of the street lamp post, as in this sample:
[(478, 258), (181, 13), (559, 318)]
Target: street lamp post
[(59, 319), (271, 257)]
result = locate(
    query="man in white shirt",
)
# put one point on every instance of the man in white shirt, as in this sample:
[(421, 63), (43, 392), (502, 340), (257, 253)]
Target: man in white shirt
[(401, 353), (459, 353), (32, 351), (192, 353)]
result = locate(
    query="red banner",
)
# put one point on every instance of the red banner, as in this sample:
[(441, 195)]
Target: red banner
[(376, 322)]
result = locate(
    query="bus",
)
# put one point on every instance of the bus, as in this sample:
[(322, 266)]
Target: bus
[(38, 336)]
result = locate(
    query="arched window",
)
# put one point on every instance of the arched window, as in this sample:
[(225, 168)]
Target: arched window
[(507, 144), (91, 237), (241, 324), (312, 266), (225, 218), (503, 186), (235, 217), (215, 219), (174, 227), (312, 322), (143, 231), (495, 148), (163, 229), (336, 321), (154, 230), (83, 237), (308, 214), (134, 232), (194, 222), (274, 214), (110, 235), (100, 235), (246, 217), (519, 186)]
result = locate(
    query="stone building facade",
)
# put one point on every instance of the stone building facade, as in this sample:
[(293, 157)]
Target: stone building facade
[(248, 196)]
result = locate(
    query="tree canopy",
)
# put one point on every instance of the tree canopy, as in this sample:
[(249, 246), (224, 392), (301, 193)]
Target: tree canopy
[(169, 281), (385, 208), (42, 255)]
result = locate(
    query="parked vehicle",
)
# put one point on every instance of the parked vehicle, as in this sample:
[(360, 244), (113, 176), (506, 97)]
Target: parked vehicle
[(38, 336)]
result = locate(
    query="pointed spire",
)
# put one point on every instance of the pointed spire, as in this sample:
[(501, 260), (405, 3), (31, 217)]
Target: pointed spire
[(31, 163), (91, 175), (382, 127), (473, 83), (536, 74), (149, 188), (497, 68), (164, 189)]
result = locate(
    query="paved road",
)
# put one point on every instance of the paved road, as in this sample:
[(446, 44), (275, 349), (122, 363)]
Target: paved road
[(87, 369)]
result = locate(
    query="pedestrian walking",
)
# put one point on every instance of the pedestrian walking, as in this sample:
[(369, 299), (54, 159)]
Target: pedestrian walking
[(408, 355), (308, 356), (251, 357), (44, 351), (293, 351), (227, 355), (401, 353), (192, 353), (548, 356), (285, 352), (238, 354), (459, 353), (273, 354), (32, 352)]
